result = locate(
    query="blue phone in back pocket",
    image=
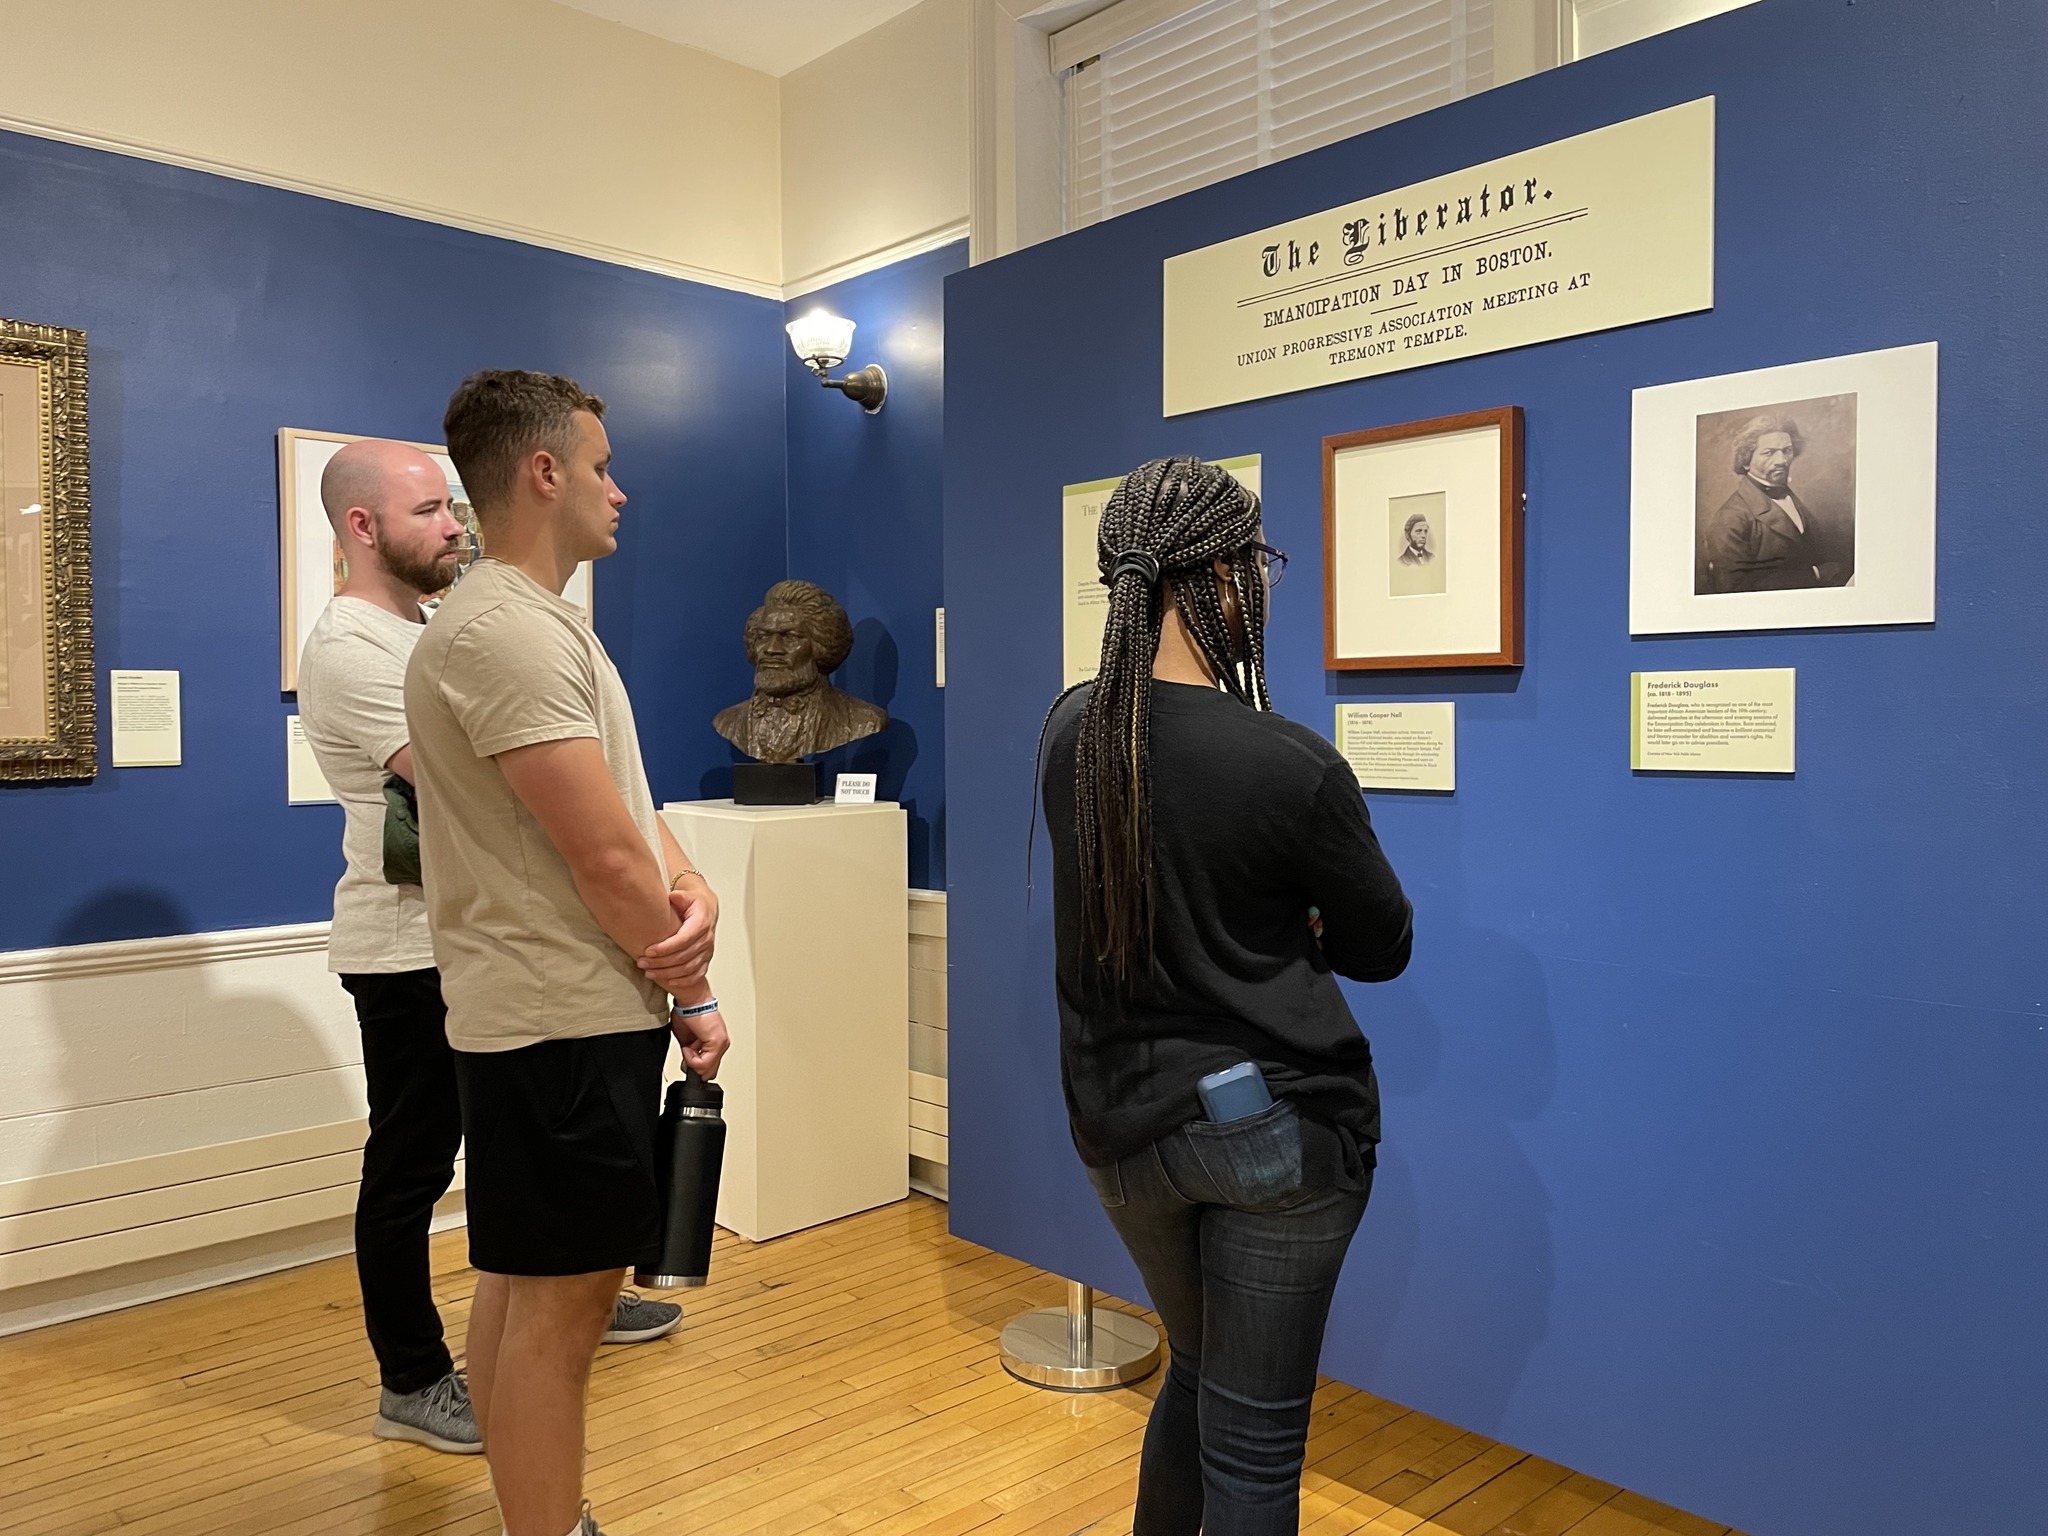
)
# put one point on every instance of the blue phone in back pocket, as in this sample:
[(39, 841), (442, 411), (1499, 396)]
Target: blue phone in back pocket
[(1235, 1093)]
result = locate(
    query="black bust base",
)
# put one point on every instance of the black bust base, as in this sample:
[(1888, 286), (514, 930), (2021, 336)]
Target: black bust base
[(774, 783)]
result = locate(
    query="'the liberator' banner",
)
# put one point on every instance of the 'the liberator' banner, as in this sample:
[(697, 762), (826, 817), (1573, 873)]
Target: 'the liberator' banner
[(1609, 228)]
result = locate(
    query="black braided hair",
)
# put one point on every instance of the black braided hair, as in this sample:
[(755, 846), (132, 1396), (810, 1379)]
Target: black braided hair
[(1165, 525)]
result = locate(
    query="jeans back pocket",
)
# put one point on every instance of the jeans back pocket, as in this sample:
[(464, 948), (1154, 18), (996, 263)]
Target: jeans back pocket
[(1109, 1185), (1253, 1164)]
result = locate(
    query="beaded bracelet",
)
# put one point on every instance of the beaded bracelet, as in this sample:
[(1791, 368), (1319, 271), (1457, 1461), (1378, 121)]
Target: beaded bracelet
[(694, 1011)]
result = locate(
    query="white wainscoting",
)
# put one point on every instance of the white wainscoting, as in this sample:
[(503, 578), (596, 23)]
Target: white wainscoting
[(170, 1110), (184, 1112), (928, 1124)]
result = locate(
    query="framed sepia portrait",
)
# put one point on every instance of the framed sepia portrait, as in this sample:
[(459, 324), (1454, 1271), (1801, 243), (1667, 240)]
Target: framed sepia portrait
[(1799, 497), (48, 714), (1422, 544), (312, 568)]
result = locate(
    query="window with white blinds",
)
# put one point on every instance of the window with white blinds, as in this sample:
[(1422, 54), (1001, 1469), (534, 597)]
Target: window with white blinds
[(1235, 84)]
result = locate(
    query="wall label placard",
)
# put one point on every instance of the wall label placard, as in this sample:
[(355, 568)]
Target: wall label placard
[(1713, 722), (1605, 229), (304, 782), (148, 723), (1400, 746)]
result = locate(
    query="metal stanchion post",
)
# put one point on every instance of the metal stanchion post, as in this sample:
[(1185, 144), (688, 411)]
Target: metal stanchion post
[(1078, 1349)]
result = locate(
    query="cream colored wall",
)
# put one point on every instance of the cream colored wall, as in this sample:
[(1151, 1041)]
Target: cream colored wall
[(1598, 25), (874, 144), (519, 117)]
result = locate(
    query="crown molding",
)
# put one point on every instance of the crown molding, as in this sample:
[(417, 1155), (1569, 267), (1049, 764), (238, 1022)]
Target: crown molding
[(73, 961), (874, 261), (1113, 24), (617, 256)]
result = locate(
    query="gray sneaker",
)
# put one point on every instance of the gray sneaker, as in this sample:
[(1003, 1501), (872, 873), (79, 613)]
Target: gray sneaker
[(635, 1319), (588, 1527), (438, 1416)]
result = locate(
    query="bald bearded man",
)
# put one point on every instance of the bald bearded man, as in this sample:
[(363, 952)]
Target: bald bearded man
[(395, 522)]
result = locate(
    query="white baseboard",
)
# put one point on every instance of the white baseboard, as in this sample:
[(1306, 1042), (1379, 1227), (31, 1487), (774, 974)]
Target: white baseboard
[(929, 1124), (174, 1113), (122, 956), (182, 1113), (180, 1274), (148, 1047), (928, 1177)]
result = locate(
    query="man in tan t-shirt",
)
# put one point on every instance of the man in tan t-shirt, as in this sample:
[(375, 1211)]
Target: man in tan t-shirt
[(563, 915)]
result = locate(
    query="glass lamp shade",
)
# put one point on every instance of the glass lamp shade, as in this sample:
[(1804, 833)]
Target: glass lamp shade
[(822, 340)]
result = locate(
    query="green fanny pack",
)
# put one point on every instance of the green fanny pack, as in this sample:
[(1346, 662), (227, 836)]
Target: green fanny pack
[(401, 833)]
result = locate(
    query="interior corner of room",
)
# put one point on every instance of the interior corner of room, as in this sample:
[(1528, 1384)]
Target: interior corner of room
[(1716, 1099), (661, 279)]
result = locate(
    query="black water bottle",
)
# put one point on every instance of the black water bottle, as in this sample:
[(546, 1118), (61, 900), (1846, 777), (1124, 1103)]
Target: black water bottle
[(688, 1155)]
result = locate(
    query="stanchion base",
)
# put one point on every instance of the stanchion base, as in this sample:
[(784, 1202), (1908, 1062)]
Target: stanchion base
[(1036, 1349)]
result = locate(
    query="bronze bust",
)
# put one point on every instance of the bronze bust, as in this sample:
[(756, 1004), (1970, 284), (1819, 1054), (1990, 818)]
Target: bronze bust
[(796, 639)]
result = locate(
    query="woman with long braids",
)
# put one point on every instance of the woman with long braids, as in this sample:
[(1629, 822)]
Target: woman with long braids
[(1214, 872)]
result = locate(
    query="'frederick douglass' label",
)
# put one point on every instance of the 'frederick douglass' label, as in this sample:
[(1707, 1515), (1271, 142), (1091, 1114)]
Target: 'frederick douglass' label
[(1610, 228), (1714, 722)]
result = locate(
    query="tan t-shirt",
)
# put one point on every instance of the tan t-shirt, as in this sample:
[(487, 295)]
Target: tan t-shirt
[(352, 706), (506, 663)]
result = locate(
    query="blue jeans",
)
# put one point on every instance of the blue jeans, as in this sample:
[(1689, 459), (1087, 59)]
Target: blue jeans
[(1241, 1259)]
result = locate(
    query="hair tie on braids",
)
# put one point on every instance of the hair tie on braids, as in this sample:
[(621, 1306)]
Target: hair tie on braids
[(1137, 560)]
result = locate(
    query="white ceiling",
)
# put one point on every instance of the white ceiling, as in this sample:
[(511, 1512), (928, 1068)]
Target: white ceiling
[(773, 36)]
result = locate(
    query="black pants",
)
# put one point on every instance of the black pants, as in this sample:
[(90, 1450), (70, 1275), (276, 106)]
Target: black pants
[(408, 1164), (1241, 1258)]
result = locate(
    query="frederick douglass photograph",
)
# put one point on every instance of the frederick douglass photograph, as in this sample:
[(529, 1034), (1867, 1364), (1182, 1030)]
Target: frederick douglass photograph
[(1775, 497), (1794, 497)]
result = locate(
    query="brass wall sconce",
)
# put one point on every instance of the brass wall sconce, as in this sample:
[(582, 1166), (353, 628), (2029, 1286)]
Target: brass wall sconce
[(822, 340)]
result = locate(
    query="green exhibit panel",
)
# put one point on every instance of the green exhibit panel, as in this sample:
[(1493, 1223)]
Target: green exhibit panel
[(1716, 1104)]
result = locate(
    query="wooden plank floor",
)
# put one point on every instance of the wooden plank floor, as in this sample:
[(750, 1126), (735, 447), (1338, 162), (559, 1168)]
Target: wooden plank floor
[(838, 1382)]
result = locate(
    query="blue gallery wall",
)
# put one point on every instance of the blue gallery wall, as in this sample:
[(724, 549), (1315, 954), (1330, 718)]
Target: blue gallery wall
[(864, 505), (217, 312), (1716, 1108)]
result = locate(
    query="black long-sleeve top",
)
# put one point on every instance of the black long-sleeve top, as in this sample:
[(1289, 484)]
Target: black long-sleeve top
[(1254, 821)]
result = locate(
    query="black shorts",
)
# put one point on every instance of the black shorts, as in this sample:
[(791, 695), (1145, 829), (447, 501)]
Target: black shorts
[(561, 1153)]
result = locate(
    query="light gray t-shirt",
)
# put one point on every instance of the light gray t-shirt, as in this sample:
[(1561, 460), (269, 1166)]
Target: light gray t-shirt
[(352, 708)]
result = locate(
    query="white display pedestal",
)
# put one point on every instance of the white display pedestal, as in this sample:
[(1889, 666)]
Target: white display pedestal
[(812, 973)]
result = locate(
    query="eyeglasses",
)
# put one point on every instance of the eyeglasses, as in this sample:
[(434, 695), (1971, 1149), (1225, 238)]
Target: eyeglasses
[(1274, 562)]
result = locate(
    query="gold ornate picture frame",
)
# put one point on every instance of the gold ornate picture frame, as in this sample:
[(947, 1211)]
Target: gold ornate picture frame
[(48, 701)]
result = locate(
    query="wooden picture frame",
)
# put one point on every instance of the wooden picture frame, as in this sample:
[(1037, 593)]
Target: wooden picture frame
[(48, 697), (1422, 544), (308, 558)]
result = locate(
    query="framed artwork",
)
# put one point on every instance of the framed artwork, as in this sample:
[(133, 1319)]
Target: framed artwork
[(1422, 544), (312, 569), (48, 706), (1799, 497)]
